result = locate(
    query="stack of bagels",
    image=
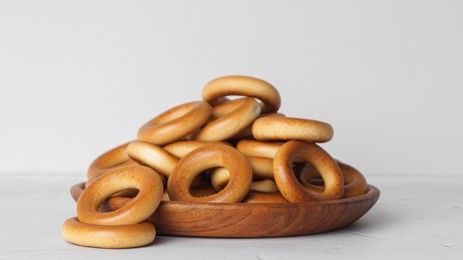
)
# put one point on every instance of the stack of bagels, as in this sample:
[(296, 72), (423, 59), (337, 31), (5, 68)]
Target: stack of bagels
[(231, 147)]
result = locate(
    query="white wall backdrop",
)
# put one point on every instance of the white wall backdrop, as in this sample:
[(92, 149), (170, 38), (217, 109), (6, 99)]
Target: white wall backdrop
[(80, 77)]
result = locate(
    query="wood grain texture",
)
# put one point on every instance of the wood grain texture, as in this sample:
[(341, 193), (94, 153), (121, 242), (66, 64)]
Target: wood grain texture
[(260, 220)]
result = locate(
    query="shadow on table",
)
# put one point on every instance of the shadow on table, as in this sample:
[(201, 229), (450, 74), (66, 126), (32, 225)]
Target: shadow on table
[(376, 218)]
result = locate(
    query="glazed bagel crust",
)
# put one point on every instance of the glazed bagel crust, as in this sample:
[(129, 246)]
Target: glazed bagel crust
[(182, 148), (146, 180), (121, 236), (152, 156), (223, 109), (243, 86), (289, 186), (207, 157), (355, 183), (221, 176), (264, 186), (252, 148), (287, 128), (262, 168), (232, 123), (110, 159), (175, 123)]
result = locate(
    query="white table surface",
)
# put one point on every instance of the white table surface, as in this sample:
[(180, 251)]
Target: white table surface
[(416, 217)]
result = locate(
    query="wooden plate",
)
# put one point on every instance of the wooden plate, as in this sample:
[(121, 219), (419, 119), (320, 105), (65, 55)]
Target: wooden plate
[(258, 219)]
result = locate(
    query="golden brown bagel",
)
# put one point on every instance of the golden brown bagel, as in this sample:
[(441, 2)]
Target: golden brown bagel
[(110, 159), (175, 123), (120, 236), (143, 205), (227, 125), (252, 148), (152, 156), (182, 148), (266, 185), (262, 168), (204, 158), (271, 128), (289, 186), (221, 176), (243, 86), (355, 183)]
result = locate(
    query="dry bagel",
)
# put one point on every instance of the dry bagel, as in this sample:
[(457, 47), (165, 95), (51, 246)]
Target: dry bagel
[(110, 159), (225, 126), (120, 236), (289, 186), (175, 123), (244, 86), (207, 157), (219, 150), (286, 128), (143, 205)]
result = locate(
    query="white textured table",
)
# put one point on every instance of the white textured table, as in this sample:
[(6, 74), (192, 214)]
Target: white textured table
[(415, 218)]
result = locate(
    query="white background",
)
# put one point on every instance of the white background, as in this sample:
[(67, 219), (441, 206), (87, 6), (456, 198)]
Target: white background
[(80, 77)]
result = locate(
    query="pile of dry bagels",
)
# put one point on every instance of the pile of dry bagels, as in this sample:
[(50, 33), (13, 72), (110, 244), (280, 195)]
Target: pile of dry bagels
[(218, 150)]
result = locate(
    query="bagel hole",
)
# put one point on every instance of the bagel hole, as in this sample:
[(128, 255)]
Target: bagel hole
[(308, 175), (123, 195), (127, 193), (201, 185)]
